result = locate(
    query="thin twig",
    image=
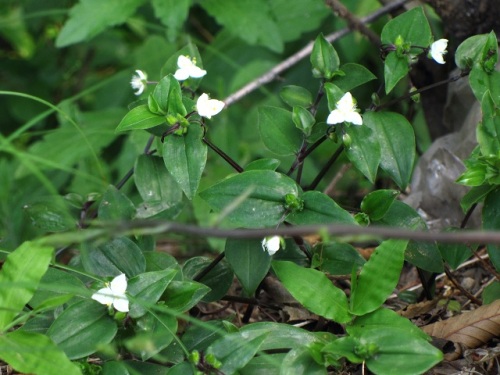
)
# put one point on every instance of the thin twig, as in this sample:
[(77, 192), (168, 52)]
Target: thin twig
[(303, 53), (223, 155), (469, 295), (325, 168), (354, 22)]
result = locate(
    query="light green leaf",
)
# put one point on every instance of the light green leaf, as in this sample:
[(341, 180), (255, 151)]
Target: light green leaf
[(336, 258), (19, 278), (296, 96), (82, 328), (172, 13), (185, 158), (313, 290), (377, 203), (167, 98), (281, 336), (278, 131), (469, 52), (89, 18), (139, 117), (299, 361), (371, 289), (397, 144), (33, 353), (252, 198), (248, 261), (324, 59), (364, 151)]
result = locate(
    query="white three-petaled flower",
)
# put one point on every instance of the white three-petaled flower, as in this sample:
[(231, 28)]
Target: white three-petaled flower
[(139, 82), (114, 294), (345, 111), (271, 244), (188, 68), (438, 50), (207, 107)]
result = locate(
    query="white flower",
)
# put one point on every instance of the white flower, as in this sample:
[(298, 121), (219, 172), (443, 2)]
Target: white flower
[(438, 50), (139, 82), (188, 68), (114, 294), (271, 244), (345, 111), (207, 107)]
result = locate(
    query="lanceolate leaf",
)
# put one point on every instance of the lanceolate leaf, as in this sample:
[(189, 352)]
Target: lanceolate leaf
[(19, 277), (397, 144), (185, 158), (140, 117), (252, 198)]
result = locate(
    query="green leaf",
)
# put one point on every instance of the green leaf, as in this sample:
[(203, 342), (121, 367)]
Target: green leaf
[(337, 258), (491, 221), (248, 261), (424, 255), (167, 97), (454, 254), (296, 96), (397, 144), (90, 17), (115, 205), (371, 289), (51, 214), (235, 350), (183, 295), (354, 75), (303, 120), (153, 181), (333, 95), (489, 56), (112, 258), (153, 333), (33, 353), (13, 28), (488, 131), (147, 288), (172, 13), (249, 20), (480, 82), (185, 158), (395, 69), (470, 51), (139, 117), (19, 278), (218, 279), (377, 203), (313, 290), (82, 328), (300, 362), (278, 131), (266, 163), (364, 150), (475, 195), (281, 336), (324, 58), (319, 208), (253, 198), (491, 293)]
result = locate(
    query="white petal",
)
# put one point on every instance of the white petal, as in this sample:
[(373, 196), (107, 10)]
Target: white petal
[(438, 50), (181, 74), (346, 103), (354, 118), (119, 285), (196, 72), (121, 304), (142, 75), (207, 107), (104, 296), (271, 244), (184, 62), (335, 117)]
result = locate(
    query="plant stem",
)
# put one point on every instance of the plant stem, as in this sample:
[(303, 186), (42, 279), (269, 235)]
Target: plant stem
[(223, 155), (325, 168)]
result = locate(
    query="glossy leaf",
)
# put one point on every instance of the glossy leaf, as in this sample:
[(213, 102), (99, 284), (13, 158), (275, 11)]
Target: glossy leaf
[(81, 328), (278, 132), (337, 258), (33, 353), (185, 158), (303, 120), (488, 131), (153, 181), (267, 163), (115, 205), (19, 278), (140, 117), (167, 98), (324, 58), (455, 254), (251, 199), (470, 51), (354, 75), (313, 290), (281, 336), (235, 350), (364, 150), (218, 279), (120, 255), (183, 295), (300, 362), (319, 209), (480, 82), (296, 96), (377, 203), (248, 261), (372, 290), (397, 144), (475, 195), (147, 288)]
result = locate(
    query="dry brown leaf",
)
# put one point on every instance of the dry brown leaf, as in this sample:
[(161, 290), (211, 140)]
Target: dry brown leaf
[(471, 329), (417, 309)]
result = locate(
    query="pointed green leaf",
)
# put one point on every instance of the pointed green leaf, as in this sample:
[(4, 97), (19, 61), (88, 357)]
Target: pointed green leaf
[(397, 144), (252, 198), (33, 353), (218, 279), (299, 361), (324, 58), (167, 97), (278, 131), (364, 150), (377, 203), (354, 75), (19, 278), (372, 289), (248, 261), (185, 158), (115, 205), (313, 290), (296, 96), (139, 117)]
